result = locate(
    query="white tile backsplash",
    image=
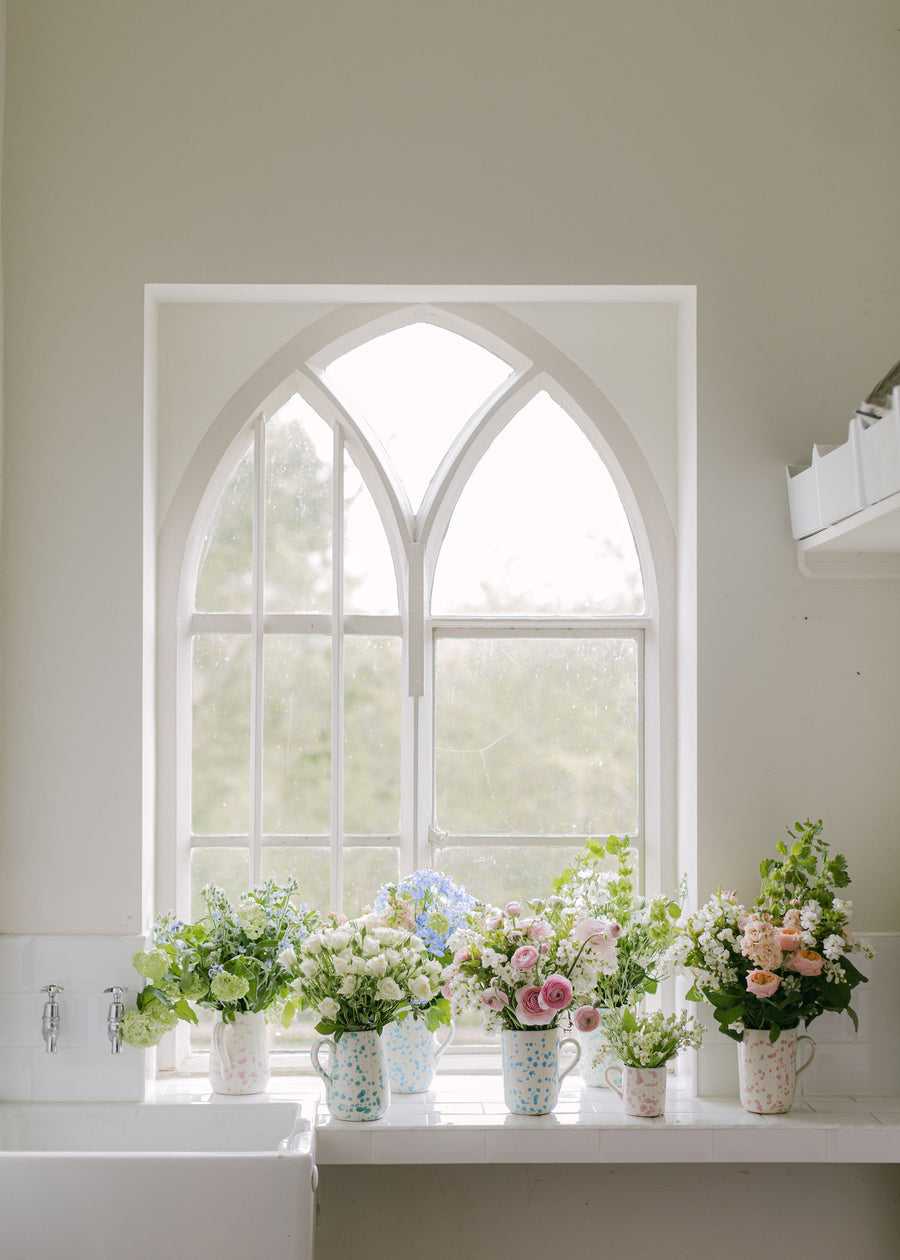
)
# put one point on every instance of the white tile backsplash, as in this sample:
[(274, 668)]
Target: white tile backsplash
[(83, 1068)]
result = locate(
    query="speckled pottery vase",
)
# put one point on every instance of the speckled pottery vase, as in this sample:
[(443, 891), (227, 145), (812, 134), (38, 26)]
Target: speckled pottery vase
[(596, 1057), (531, 1075), (768, 1069), (239, 1054), (642, 1089), (412, 1053), (357, 1085)]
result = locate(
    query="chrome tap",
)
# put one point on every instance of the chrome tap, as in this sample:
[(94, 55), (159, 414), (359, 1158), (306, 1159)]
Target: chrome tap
[(50, 1017), (114, 1018)]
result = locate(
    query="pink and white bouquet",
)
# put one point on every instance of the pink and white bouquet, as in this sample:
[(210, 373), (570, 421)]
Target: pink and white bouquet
[(785, 960), (525, 970)]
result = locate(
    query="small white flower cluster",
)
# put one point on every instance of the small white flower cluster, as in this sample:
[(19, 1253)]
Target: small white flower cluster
[(361, 974)]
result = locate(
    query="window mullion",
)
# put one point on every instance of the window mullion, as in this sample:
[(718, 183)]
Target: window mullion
[(337, 677), (257, 680)]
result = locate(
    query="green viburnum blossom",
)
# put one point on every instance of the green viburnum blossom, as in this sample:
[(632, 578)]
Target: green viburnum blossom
[(152, 963), (228, 988)]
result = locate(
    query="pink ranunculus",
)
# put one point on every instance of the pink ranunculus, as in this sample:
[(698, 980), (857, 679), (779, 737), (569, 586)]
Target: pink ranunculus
[(446, 991), (461, 955), (494, 999), (807, 962), (514, 909), (492, 922), (556, 992), (595, 931), (538, 929), (788, 939), (528, 1006), (763, 983), (525, 957), (587, 1018)]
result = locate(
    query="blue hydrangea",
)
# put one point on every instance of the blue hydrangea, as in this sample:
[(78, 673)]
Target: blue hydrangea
[(439, 906)]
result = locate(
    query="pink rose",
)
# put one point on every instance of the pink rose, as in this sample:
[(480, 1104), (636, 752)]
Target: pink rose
[(529, 1009), (525, 957), (807, 962), (556, 993), (788, 939), (587, 1018), (494, 999), (763, 983)]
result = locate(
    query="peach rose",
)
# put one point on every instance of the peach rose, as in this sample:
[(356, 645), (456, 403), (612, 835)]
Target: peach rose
[(807, 962), (762, 983)]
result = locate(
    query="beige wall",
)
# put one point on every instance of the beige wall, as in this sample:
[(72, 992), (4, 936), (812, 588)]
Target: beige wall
[(749, 149), (745, 149)]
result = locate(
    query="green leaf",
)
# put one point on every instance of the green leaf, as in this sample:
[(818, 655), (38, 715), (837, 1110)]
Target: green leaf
[(184, 1010), (287, 1015), (629, 1023)]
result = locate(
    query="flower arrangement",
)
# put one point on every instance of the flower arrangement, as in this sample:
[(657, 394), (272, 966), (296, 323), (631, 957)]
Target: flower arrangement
[(649, 924), (524, 971), (650, 1040), (787, 959), (360, 974), (431, 905), (235, 959)]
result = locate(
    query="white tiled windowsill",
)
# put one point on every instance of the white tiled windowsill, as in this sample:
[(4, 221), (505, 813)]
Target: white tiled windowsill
[(462, 1119)]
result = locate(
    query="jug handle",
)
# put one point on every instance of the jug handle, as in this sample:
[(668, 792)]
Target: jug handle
[(451, 1033), (218, 1045), (812, 1051), (570, 1041), (314, 1055), (614, 1082)]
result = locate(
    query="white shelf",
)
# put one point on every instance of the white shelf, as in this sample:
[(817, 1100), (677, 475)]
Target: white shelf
[(463, 1120), (864, 545)]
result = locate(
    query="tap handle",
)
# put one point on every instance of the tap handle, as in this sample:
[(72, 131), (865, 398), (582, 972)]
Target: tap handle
[(52, 989), (116, 990)]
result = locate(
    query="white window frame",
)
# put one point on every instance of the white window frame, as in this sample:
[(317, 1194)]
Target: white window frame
[(415, 539)]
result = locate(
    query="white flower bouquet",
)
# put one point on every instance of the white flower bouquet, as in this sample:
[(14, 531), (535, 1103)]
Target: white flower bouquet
[(360, 974)]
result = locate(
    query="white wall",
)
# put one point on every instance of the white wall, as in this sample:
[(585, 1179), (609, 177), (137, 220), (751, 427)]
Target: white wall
[(742, 148)]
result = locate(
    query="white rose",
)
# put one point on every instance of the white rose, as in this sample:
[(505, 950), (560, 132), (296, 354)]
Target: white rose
[(287, 959), (309, 967), (420, 988), (377, 966), (388, 990), (348, 986), (371, 945), (393, 957), (328, 1008)]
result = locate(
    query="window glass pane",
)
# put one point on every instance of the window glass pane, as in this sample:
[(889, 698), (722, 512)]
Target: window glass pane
[(220, 788), (497, 874), (224, 575), (370, 585), (310, 867), (416, 387), (297, 735), (365, 870), (539, 528), (371, 735), (228, 868), (536, 736), (299, 486)]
